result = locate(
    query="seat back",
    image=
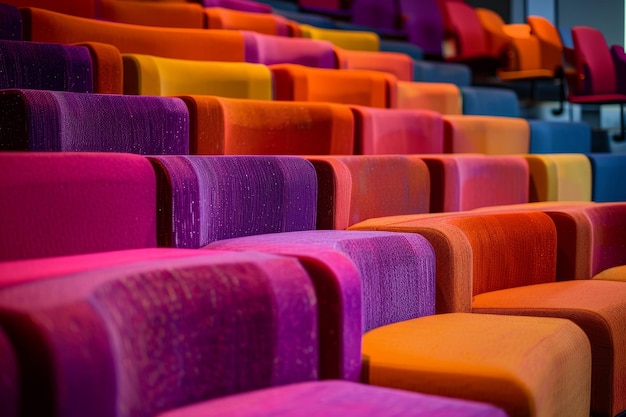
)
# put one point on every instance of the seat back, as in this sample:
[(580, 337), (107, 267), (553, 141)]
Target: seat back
[(549, 41), (498, 41), (396, 131), (376, 14), (10, 23), (253, 127), (242, 5), (157, 76), (486, 134), (469, 181), (57, 204), (356, 188), (161, 14), (39, 120), (354, 40), (266, 23), (465, 30), (359, 87), (423, 24), (196, 44), (45, 66), (559, 137), (398, 64), (486, 101), (444, 98), (559, 177), (153, 336), (9, 383), (608, 235), (269, 50), (593, 61), (82, 8), (203, 199), (606, 169)]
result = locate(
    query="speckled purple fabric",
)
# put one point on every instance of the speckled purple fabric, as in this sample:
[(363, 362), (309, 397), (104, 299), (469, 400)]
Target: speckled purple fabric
[(396, 274), (64, 121), (269, 50), (336, 399), (139, 339), (9, 378), (45, 66), (68, 203), (206, 198), (10, 23)]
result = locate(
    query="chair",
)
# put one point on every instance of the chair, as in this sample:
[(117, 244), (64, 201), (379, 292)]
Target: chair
[(242, 5), (513, 268), (269, 50), (347, 39), (486, 101), (397, 131), (486, 134), (559, 137), (195, 44), (9, 392), (39, 120), (85, 9), (385, 18), (10, 23), (397, 64), (443, 98), (160, 14), (424, 25), (266, 23), (231, 126), (596, 78), (157, 76), (358, 87), (462, 182), (559, 177), (605, 171)]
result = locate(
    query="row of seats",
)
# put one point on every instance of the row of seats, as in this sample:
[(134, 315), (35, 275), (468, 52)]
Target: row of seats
[(68, 216)]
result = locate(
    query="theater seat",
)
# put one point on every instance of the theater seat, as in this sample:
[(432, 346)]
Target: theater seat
[(159, 14), (266, 23), (346, 39), (559, 177), (486, 134)]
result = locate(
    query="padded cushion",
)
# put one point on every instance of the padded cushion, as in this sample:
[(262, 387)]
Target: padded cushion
[(594, 60), (400, 65), (64, 121), (270, 50), (486, 101), (336, 399), (160, 14), (397, 131), (57, 204), (442, 72), (152, 336), (231, 126), (156, 76), (267, 23), (10, 23), (443, 98), (346, 39), (559, 177), (45, 66), (243, 5), (424, 24), (203, 199), (559, 137), (486, 134), (607, 171)]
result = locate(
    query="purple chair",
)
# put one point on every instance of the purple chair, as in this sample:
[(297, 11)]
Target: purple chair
[(38, 120), (384, 17), (10, 23), (9, 379), (269, 50), (242, 5), (423, 24), (45, 66)]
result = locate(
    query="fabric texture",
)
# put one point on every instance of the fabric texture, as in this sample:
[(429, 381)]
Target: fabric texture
[(486, 101), (559, 137), (490, 135), (443, 98), (559, 177), (255, 127), (206, 198), (346, 39), (270, 50), (108, 69), (400, 65), (266, 23), (57, 204), (39, 120), (139, 339), (160, 14), (45, 66), (10, 23), (336, 399), (606, 169)]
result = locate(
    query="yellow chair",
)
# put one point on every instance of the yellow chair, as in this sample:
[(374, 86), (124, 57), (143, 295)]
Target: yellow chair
[(347, 39), (559, 177)]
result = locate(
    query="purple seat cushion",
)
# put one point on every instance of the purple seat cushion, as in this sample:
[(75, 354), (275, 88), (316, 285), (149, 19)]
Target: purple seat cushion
[(270, 50), (147, 337), (336, 399), (242, 5), (423, 24), (65, 121), (56, 204), (45, 66), (9, 378), (10, 22), (395, 281), (206, 198)]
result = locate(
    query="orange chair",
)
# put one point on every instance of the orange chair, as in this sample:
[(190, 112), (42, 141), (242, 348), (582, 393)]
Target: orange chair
[(444, 98), (198, 44), (223, 126), (150, 13), (85, 8), (360, 87), (108, 67), (398, 64), (266, 23), (486, 134)]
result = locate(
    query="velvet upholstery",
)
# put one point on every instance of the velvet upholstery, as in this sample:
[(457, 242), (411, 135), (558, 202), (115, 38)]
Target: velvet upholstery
[(359, 87), (266, 23), (336, 399), (269, 50), (148, 337), (355, 188), (400, 65), (606, 170), (346, 39), (157, 76), (468, 181), (385, 278), (40, 120), (559, 177), (45, 66), (396, 131), (160, 14), (512, 259), (196, 44), (10, 23), (444, 98), (9, 382), (559, 137), (232, 127), (490, 135), (57, 204), (206, 198)]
